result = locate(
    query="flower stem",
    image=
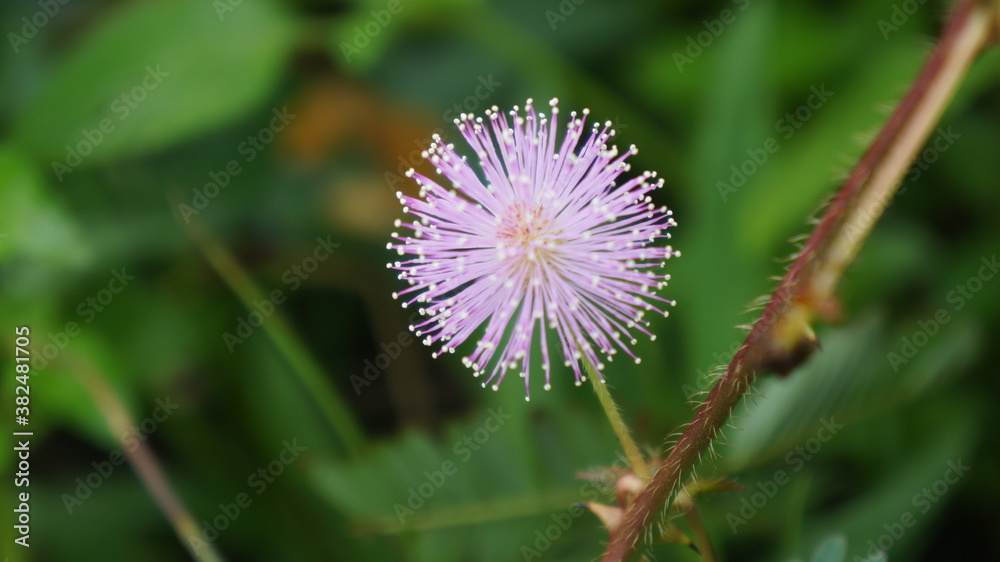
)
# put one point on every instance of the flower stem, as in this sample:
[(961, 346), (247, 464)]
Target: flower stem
[(145, 464), (783, 337), (698, 531), (635, 459), (303, 365)]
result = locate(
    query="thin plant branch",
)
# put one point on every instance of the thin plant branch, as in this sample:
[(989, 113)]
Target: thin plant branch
[(783, 337), (631, 450), (145, 464), (685, 503), (304, 366)]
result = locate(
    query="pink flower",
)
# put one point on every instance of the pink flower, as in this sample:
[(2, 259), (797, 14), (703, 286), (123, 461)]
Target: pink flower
[(543, 239)]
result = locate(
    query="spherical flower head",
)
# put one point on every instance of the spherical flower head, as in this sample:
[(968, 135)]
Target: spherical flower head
[(545, 238)]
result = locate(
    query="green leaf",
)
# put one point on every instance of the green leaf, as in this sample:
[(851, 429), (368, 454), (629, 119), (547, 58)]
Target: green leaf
[(361, 39), (850, 378), (474, 487), (894, 513), (778, 199), (736, 96), (154, 74), (31, 222)]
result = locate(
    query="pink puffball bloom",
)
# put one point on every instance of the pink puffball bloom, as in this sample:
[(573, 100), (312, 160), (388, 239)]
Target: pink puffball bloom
[(544, 238)]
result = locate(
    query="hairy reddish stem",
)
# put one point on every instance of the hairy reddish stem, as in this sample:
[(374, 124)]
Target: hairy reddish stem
[(783, 338)]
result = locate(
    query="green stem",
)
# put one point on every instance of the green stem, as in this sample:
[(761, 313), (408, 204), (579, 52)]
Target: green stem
[(308, 371), (698, 531), (635, 459)]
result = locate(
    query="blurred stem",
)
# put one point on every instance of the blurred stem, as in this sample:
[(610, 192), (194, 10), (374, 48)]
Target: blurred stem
[(635, 459), (308, 371), (783, 337), (698, 531), (144, 462), (874, 181)]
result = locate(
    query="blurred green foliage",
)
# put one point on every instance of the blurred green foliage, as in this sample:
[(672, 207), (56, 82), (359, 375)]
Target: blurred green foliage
[(146, 138)]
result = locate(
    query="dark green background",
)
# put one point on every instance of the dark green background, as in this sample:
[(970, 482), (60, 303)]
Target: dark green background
[(331, 174)]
